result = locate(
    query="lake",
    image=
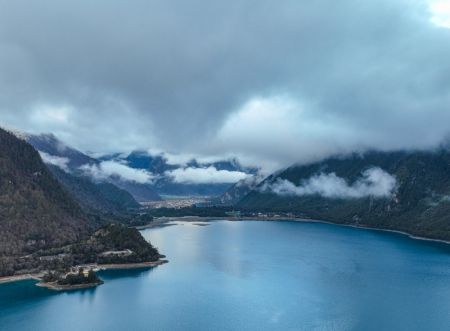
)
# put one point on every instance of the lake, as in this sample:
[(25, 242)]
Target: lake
[(255, 276)]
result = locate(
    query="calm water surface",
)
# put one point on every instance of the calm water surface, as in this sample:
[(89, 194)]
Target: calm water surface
[(255, 276)]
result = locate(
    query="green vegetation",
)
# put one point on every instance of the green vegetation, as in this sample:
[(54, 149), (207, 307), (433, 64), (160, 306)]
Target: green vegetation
[(79, 278), (138, 219), (216, 211), (35, 211), (114, 243), (43, 228), (420, 205)]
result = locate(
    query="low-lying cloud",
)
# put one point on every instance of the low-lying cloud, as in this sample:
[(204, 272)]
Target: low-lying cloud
[(209, 175), (374, 182), (60, 162), (108, 169)]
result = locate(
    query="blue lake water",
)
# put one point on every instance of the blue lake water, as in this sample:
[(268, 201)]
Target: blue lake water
[(255, 276)]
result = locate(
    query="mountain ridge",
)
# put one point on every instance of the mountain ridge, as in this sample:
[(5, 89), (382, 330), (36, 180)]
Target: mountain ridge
[(419, 205), (36, 212), (75, 178)]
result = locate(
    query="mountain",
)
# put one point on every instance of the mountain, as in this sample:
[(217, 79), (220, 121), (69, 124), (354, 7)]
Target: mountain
[(106, 194), (49, 144), (156, 164), (346, 190), (35, 210), (42, 227), (103, 197), (164, 184), (140, 192), (76, 163), (238, 191)]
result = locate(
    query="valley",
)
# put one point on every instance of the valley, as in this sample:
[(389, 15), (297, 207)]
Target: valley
[(231, 166)]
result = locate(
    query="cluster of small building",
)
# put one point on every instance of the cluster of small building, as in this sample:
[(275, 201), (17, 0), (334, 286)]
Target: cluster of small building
[(174, 203), (84, 269), (256, 214)]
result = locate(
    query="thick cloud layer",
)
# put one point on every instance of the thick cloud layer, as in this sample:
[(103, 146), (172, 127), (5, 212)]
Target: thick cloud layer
[(270, 82), (374, 182), (107, 169), (206, 175)]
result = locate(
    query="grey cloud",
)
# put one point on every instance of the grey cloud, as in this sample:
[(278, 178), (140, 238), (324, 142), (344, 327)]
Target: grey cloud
[(190, 175), (373, 182), (108, 169), (60, 162), (115, 75)]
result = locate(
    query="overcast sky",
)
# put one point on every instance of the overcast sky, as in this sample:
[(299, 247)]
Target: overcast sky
[(272, 82)]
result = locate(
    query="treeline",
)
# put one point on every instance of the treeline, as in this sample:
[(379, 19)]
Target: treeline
[(215, 211), (109, 238)]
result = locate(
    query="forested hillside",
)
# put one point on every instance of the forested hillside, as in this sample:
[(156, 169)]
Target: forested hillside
[(102, 197), (419, 204), (35, 211)]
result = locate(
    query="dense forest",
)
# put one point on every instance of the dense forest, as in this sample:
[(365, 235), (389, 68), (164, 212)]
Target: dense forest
[(420, 204), (36, 212)]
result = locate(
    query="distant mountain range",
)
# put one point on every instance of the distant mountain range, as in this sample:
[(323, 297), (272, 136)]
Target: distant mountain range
[(72, 161), (407, 191), (160, 172), (164, 184)]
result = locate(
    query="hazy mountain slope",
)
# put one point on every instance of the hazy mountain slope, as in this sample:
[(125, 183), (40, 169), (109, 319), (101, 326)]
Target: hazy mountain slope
[(165, 185), (35, 211), (156, 164), (140, 192), (49, 144), (420, 205), (239, 190), (103, 197)]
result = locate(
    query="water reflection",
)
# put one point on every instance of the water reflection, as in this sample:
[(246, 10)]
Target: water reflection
[(109, 275), (254, 276)]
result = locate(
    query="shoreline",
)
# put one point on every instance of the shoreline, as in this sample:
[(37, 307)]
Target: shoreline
[(56, 287), (16, 278), (162, 220), (166, 221), (100, 267), (131, 265)]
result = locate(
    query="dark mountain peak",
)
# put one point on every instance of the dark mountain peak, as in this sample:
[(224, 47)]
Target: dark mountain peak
[(50, 144), (93, 194), (240, 189)]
